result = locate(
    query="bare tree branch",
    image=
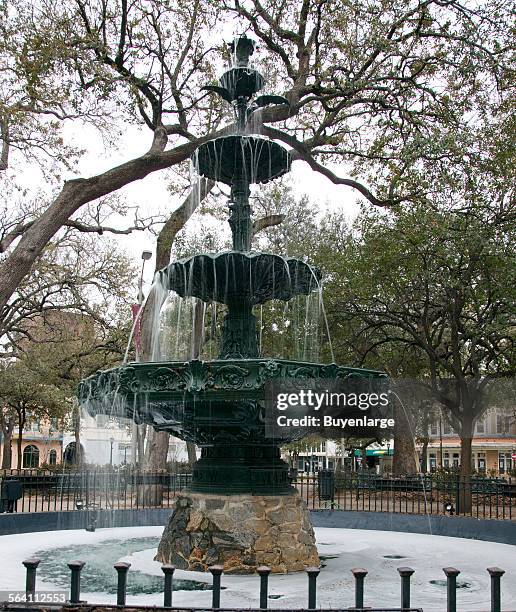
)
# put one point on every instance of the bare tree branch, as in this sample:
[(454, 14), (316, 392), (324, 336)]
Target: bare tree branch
[(267, 221)]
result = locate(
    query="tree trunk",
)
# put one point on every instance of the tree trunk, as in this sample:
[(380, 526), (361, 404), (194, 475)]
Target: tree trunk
[(155, 460), (7, 452), (157, 450), (134, 443), (464, 497), (78, 459), (440, 440), (141, 434), (404, 458), (191, 449), (7, 428), (21, 423)]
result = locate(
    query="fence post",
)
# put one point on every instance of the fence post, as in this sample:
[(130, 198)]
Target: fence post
[(75, 580), (359, 573), (312, 572), (122, 568), (496, 595), (216, 572), (405, 573), (168, 570), (264, 572), (451, 588), (30, 580)]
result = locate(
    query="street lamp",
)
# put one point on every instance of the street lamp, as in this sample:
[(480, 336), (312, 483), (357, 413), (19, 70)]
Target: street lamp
[(111, 441), (146, 255)]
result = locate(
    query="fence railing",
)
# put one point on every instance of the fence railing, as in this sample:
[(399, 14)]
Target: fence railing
[(95, 489), (443, 494), (437, 494), (30, 595)]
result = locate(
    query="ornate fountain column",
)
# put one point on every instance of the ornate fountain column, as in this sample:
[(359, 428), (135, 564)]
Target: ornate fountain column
[(242, 511)]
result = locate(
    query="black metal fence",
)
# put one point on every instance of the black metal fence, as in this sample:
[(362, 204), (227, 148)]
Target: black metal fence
[(360, 574), (94, 489), (436, 494)]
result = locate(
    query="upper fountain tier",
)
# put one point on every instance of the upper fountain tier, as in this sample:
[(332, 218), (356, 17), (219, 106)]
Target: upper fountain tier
[(252, 158), (231, 159)]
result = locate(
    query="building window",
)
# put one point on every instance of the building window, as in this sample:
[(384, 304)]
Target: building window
[(503, 424), (433, 429), (30, 456), (481, 462), (446, 460), (481, 426), (320, 448), (447, 429), (456, 461), (432, 462), (52, 457), (70, 453)]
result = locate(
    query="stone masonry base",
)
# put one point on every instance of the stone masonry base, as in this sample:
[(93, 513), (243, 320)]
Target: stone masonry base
[(240, 532)]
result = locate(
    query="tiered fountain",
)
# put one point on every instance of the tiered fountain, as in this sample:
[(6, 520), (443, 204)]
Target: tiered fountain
[(240, 510)]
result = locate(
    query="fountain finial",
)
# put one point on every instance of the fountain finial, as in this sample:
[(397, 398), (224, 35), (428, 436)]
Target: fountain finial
[(242, 48)]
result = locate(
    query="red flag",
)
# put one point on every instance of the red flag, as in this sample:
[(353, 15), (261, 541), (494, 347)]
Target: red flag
[(135, 309)]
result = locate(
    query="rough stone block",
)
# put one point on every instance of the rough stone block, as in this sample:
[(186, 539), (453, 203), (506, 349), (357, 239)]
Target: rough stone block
[(241, 532)]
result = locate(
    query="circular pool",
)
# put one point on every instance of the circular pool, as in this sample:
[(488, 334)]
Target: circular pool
[(380, 552)]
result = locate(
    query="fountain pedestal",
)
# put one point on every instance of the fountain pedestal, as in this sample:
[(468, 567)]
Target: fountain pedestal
[(240, 532)]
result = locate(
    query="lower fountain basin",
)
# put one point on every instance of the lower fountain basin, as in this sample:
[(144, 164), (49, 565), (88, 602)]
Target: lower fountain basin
[(145, 389), (218, 405), (347, 548)]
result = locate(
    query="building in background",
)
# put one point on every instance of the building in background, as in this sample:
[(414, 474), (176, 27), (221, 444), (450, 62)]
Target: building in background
[(107, 441), (104, 442), (493, 446), (329, 455), (42, 444)]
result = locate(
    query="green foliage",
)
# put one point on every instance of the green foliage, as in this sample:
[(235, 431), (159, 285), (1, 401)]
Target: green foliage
[(31, 393)]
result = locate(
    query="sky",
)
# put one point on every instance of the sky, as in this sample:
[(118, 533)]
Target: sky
[(153, 197)]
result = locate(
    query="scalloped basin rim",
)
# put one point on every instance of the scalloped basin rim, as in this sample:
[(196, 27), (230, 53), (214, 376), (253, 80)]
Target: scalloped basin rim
[(218, 276), (260, 159), (180, 397), (269, 363), (243, 254)]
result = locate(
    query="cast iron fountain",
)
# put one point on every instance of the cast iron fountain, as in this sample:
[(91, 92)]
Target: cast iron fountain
[(241, 509)]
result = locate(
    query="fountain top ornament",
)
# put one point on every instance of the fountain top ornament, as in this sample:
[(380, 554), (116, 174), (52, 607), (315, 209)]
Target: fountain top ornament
[(219, 404), (253, 159)]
